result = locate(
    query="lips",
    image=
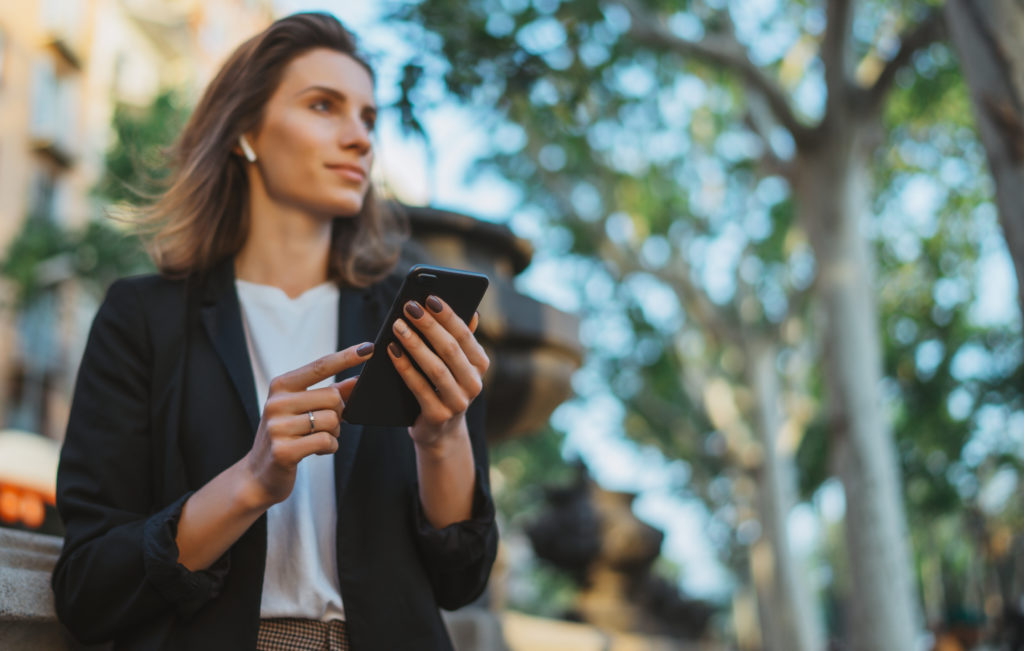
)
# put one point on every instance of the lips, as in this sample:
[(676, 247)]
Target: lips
[(348, 171)]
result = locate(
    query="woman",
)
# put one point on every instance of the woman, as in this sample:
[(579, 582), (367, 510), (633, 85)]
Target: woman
[(212, 495)]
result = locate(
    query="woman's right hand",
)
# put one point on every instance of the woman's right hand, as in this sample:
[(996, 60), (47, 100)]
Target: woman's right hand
[(285, 435)]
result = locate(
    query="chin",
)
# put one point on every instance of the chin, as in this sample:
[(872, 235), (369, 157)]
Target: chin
[(342, 207), (348, 209)]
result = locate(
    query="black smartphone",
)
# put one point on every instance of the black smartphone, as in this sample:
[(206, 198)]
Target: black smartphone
[(380, 396)]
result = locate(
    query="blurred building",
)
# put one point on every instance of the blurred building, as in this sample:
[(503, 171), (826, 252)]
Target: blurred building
[(64, 66)]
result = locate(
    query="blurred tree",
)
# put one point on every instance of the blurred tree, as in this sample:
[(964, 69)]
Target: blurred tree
[(45, 253), (953, 373), (136, 162), (987, 36), (38, 240), (663, 135)]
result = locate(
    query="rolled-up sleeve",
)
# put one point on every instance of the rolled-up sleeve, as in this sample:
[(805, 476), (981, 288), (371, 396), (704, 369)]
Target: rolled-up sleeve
[(118, 567), (186, 589), (458, 558)]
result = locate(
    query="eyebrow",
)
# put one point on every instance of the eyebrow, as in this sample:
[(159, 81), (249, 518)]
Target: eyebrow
[(327, 90)]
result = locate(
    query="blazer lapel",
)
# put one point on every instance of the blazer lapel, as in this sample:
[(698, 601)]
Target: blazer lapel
[(356, 323), (222, 319)]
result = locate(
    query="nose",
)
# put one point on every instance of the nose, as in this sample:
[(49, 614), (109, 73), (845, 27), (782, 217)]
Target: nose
[(355, 135)]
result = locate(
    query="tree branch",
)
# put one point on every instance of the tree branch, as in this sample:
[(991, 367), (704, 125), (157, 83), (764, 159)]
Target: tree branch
[(694, 300), (758, 121), (929, 30), (835, 52), (678, 276), (697, 304), (720, 50)]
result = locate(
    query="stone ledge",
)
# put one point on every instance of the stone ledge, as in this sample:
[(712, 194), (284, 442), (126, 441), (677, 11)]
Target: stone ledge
[(27, 618), (26, 561)]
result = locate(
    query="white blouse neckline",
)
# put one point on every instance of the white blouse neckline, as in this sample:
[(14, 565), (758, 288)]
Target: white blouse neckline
[(275, 293)]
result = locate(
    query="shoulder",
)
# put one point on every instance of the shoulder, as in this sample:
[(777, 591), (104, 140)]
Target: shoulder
[(136, 306), (144, 290), (145, 283)]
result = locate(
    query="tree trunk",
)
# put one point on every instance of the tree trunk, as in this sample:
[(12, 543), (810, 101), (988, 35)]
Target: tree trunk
[(832, 192), (989, 37), (788, 620)]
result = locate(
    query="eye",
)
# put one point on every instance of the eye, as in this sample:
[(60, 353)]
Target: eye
[(370, 122), (321, 105)]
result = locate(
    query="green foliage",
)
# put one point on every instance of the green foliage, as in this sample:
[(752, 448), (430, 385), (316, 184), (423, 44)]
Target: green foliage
[(44, 252), (40, 239), (812, 459), (523, 467), (136, 163), (546, 592), (933, 92)]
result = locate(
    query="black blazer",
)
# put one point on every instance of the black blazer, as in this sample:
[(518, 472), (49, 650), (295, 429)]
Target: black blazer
[(164, 401)]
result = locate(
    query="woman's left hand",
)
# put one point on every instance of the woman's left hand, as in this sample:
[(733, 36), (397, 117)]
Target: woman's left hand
[(452, 373)]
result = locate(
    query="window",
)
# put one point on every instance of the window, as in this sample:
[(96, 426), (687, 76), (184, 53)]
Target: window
[(54, 114), (42, 201)]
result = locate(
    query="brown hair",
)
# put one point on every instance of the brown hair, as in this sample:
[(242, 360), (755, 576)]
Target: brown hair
[(203, 215)]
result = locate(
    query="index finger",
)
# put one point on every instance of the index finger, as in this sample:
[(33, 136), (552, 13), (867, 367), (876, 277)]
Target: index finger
[(322, 368)]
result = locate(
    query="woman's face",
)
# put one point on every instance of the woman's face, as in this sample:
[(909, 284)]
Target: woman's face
[(314, 147)]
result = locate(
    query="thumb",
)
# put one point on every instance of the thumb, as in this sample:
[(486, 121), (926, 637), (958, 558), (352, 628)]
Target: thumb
[(345, 387)]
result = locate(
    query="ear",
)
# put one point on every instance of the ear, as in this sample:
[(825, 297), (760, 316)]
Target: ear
[(250, 155)]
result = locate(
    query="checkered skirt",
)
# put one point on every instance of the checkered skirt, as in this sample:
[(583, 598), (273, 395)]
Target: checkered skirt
[(288, 634)]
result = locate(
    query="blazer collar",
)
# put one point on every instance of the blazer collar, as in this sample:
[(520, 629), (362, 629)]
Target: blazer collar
[(222, 318), (359, 313)]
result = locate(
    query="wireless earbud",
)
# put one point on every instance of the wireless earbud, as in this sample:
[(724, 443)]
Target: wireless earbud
[(250, 155)]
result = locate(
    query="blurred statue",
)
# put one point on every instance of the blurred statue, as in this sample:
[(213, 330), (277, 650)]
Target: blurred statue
[(594, 535)]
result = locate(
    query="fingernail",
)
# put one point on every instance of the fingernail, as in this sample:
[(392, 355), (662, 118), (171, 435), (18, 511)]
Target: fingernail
[(395, 349), (364, 349), (400, 327), (435, 304), (414, 310)]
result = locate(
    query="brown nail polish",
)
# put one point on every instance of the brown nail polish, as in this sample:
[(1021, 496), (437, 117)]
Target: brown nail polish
[(364, 349), (395, 349), (414, 310), (435, 304)]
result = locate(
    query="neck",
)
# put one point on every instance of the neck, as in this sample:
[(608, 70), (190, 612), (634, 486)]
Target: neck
[(286, 246)]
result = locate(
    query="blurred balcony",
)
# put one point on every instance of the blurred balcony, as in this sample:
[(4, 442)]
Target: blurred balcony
[(62, 24), (53, 125)]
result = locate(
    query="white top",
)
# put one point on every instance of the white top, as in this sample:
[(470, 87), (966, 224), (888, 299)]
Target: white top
[(283, 334)]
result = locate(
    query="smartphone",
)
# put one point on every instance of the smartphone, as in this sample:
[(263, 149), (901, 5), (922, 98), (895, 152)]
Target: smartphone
[(380, 396)]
